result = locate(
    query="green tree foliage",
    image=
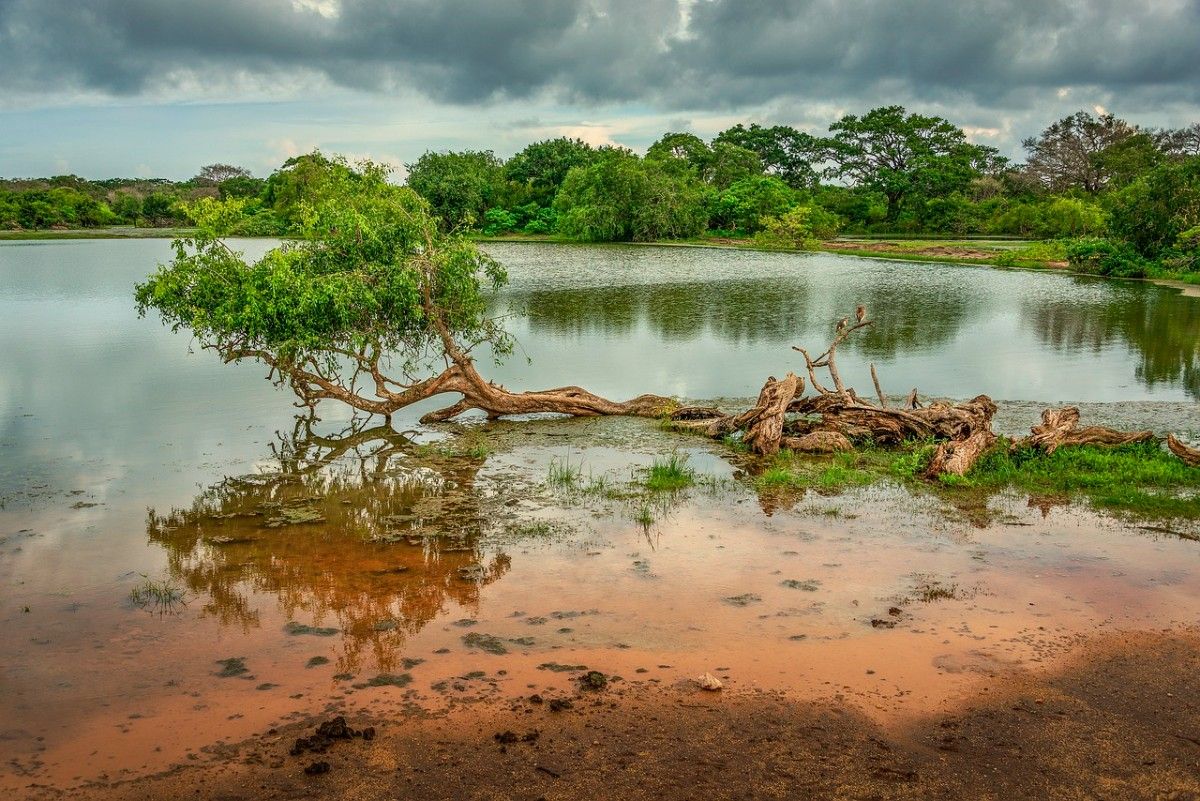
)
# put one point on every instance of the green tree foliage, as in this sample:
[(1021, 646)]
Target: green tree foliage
[(241, 186), (620, 197), (730, 164), (301, 179), (802, 228), (459, 185), (1129, 158), (682, 147), (542, 166), (898, 154), (1069, 154), (747, 202), (372, 275), (782, 150), (1154, 211)]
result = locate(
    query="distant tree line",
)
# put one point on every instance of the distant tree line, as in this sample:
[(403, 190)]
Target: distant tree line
[(1122, 199)]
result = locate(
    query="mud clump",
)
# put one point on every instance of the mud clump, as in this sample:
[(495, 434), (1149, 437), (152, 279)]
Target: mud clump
[(510, 737), (560, 704), (327, 733), (593, 680), (234, 666), (485, 642)]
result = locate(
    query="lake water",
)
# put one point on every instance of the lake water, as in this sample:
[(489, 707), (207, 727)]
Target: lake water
[(118, 439)]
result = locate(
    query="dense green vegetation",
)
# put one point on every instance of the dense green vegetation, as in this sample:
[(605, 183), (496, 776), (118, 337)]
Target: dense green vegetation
[(1116, 199)]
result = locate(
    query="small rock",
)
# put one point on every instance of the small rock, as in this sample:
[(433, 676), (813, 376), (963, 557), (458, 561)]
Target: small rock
[(708, 681)]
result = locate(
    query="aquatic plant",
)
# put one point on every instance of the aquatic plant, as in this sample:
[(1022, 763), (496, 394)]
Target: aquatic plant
[(161, 596)]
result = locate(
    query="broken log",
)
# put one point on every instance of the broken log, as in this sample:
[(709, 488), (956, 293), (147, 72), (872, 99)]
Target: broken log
[(957, 457), (1058, 428), (1190, 456), (818, 442), (764, 423)]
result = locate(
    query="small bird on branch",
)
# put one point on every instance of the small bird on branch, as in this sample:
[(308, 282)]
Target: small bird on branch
[(841, 326), (860, 313)]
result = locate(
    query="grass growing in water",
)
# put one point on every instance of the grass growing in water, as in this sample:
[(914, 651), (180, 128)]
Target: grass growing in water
[(159, 596), (563, 474), (670, 473), (1142, 479)]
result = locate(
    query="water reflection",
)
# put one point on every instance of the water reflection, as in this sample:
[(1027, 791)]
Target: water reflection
[(364, 531), (743, 312), (711, 323), (1161, 326)]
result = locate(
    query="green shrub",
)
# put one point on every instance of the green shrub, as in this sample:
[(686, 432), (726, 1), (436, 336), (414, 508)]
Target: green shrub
[(802, 228), (1105, 257), (498, 221)]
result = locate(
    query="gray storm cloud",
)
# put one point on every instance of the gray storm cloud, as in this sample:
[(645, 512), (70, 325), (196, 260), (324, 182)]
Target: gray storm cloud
[(720, 53)]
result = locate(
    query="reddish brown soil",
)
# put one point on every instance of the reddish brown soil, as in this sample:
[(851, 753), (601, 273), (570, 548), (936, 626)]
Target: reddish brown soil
[(1119, 720)]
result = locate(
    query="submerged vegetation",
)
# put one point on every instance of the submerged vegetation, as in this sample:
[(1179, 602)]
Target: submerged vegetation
[(161, 596)]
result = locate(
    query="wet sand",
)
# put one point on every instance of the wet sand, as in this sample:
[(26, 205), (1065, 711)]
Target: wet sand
[(1119, 719), (431, 594)]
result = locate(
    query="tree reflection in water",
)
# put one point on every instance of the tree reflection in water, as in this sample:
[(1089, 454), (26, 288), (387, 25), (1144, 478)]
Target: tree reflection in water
[(364, 530), (1161, 326)]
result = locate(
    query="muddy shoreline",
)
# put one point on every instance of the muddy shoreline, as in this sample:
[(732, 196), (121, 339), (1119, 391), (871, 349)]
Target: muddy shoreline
[(1118, 718)]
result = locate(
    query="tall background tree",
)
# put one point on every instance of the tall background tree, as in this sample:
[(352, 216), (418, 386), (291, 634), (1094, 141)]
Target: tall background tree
[(542, 166), (1069, 153), (900, 155), (783, 151)]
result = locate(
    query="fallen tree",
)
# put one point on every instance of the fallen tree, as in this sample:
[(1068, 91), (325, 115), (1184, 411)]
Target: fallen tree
[(375, 306), (836, 417)]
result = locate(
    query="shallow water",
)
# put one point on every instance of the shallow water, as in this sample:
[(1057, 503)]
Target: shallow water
[(117, 446)]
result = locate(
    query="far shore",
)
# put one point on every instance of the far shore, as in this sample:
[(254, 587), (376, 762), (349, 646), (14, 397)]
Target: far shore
[(970, 250)]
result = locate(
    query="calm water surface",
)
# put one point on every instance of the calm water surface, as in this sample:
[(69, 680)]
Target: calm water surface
[(126, 451)]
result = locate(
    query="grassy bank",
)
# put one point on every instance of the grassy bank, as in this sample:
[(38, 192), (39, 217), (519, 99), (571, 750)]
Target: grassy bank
[(1017, 253), (114, 232), (1136, 480)]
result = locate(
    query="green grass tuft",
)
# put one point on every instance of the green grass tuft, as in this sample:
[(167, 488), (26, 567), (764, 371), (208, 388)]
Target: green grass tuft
[(669, 474), (161, 596)]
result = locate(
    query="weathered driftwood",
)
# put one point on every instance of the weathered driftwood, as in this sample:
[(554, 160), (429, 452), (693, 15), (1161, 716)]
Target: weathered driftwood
[(833, 418), (1190, 456), (1058, 428), (956, 456), (818, 442)]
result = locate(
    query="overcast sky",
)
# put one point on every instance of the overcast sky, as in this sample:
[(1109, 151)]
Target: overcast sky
[(160, 87)]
